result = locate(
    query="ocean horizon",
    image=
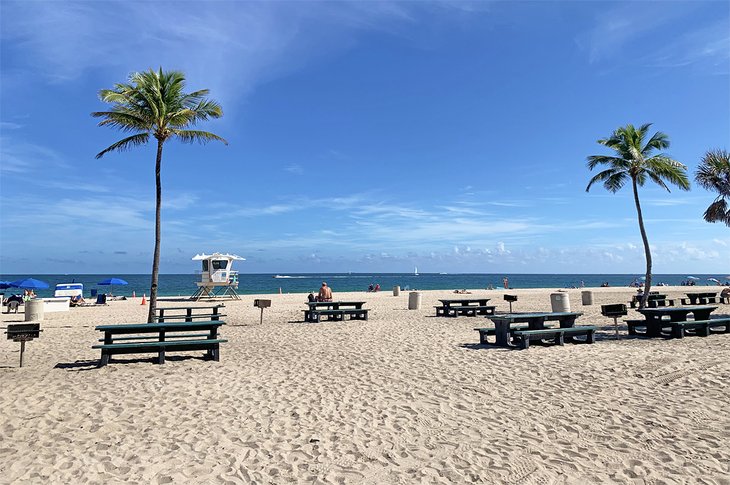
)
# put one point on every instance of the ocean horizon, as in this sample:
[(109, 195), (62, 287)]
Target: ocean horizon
[(269, 283)]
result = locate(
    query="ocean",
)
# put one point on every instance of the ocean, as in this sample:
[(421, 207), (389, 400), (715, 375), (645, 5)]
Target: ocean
[(184, 284)]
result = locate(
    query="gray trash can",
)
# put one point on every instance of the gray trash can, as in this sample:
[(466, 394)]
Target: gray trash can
[(396, 290), (34, 310), (414, 300), (560, 302), (587, 297)]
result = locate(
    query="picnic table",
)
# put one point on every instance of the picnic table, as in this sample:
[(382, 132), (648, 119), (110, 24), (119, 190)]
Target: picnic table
[(655, 322), (335, 310), (700, 298), (160, 338), (451, 307), (188, 313), (504, 329)]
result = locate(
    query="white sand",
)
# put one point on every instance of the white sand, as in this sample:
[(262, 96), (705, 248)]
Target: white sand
[(402, 398)]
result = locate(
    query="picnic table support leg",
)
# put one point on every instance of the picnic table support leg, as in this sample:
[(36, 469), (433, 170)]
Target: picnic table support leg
[(501, 334), (161, 318), (189, 315), (22, 351), (161, 353), (215, 314), (105, 356)]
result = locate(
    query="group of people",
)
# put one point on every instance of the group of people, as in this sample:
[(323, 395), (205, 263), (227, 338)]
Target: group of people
[(375, 287), (325, 293)]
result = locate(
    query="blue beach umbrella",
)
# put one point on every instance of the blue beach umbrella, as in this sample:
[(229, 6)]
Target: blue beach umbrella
[(29, 284), (111, 282), (5, 284)]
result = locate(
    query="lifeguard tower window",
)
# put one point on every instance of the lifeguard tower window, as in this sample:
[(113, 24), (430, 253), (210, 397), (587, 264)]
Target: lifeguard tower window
[(218, 264), (205, 265)]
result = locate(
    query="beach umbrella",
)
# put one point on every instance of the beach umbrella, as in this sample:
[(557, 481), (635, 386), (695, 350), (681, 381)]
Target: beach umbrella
[(5, 284), (29, 284), (111, 282), (692, 278), (714, 280)]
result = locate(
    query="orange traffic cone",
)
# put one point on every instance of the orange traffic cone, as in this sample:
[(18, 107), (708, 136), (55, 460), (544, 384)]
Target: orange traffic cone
[(144, 299)]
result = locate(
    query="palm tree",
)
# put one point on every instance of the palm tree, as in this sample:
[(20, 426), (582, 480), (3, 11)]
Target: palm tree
[(152, 103), (635, 162), (714, 174)]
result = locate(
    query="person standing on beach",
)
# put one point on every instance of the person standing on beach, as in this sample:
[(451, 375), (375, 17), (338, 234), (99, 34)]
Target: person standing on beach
[(325, 292), (506, 283)]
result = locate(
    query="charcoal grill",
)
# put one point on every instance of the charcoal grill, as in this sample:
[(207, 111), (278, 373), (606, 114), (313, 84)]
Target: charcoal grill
[(615, 311), (259, 303), (510, 299)]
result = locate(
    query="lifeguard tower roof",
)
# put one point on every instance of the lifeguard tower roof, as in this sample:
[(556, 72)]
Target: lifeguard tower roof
[(202, 256)]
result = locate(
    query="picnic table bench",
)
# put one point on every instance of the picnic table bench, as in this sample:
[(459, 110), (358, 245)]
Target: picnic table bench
[(188, 313), (507, 334), (472, 307), (335, 311), (160, 338)]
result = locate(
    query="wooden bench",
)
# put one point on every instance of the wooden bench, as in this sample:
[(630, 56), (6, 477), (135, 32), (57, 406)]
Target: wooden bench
[(632, 324), (468, 310), (702, 328), (558, 335), (314, 316), (485, 333), (185, 314), (160, 338)]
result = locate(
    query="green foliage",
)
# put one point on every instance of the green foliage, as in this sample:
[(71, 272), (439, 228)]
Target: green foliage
[(153, 103), (714, 174), (634, 160)]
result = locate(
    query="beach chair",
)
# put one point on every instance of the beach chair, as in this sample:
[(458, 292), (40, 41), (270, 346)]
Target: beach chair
[(101, 299)]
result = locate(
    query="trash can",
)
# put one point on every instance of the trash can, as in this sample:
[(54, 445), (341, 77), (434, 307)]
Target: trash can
[(396, 290), (414, 300), (560, 302), (34, 310), (586, 297)]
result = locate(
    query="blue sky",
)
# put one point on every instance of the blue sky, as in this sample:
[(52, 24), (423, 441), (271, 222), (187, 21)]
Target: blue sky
[(368, 136)]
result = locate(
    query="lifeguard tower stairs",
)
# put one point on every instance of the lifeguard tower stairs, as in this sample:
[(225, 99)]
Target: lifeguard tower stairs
[(217, 279)]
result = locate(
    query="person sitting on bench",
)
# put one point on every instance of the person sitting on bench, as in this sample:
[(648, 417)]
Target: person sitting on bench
[(325, 293)]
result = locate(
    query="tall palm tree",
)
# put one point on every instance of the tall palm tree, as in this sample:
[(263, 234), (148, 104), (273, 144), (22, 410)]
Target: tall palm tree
[(714, 174), (153, 104), (635, 162)]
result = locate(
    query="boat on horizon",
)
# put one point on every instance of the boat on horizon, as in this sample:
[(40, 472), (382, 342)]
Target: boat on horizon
[(415, 271)]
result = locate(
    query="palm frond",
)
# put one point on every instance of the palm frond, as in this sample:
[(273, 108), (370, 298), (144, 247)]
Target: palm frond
[(713, 172), (125, 144), (191, 136), (612, 179), (718, 211)]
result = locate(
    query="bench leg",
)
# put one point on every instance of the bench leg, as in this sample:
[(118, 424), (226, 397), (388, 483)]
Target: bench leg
[(560, 338), (591, 337), (704, 331), (677, 331), (483, 338), (104, 359), (161, 356), (216, 353), (524, 343)]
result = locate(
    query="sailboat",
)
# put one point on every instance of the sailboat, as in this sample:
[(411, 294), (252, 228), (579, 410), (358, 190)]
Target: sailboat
[(415, 271)]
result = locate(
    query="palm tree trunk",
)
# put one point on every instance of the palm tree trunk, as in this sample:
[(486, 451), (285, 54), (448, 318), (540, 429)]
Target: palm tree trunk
[(647, 251), (156, 256)]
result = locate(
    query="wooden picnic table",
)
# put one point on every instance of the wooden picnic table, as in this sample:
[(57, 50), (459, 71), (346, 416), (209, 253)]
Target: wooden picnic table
[(535, 321), (335, 310), (159, 338), (464, 301), (451, 307), (655, 317), (700, 298)]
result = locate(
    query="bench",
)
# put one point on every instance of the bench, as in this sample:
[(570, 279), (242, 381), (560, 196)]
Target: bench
[(160, 338), (185, 314), (468, 310), (702, 328), (314, 316), (632, 324), (522, 337), (484, 333)]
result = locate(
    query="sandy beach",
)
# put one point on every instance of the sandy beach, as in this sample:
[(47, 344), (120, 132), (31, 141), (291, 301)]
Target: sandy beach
[(402, 398)]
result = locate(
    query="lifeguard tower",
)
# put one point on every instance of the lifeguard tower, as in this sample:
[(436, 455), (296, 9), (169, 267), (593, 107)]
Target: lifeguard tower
[(217, 280)]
